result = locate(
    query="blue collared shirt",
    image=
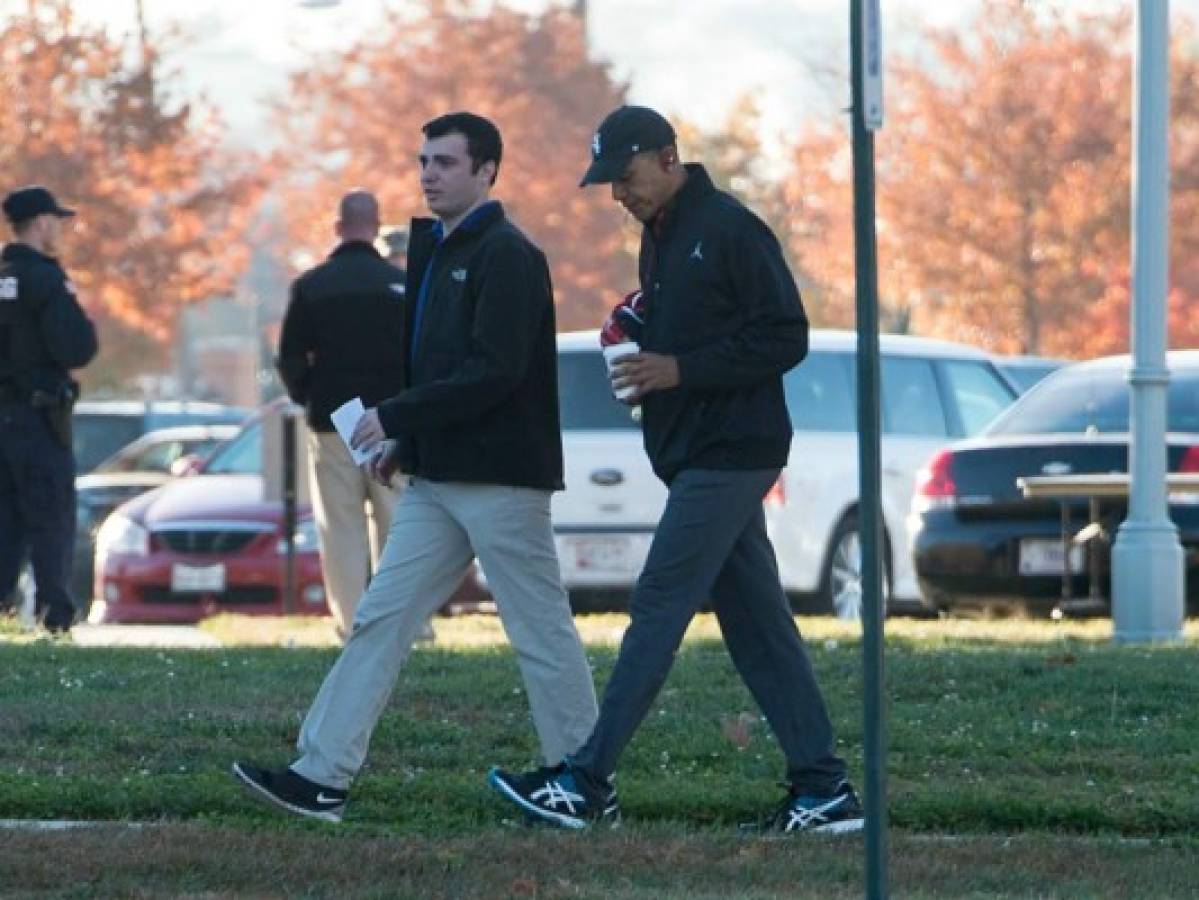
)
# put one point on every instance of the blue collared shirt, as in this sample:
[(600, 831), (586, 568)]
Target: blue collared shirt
[(422, 297)]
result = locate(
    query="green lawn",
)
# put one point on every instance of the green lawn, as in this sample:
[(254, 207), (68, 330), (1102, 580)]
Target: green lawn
[(1026, 759)]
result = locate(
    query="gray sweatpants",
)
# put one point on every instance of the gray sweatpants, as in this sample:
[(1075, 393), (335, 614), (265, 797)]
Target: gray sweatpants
[(711, 543), (436, 529)]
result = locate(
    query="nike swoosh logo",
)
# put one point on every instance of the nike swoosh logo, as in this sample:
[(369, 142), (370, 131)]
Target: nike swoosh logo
[(321, 798)]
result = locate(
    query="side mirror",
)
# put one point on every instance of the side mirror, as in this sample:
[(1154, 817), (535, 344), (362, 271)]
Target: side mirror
[(188, 464)]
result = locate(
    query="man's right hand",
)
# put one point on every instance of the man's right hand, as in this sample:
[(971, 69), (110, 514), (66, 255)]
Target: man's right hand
[(384, 463)]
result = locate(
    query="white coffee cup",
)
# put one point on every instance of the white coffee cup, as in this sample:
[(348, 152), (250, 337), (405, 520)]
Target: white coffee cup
[(613, 354)]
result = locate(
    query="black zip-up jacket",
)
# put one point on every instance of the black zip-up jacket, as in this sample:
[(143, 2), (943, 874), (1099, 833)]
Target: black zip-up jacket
[(720, 298), (342, 334), (480, 402), (44, 333)]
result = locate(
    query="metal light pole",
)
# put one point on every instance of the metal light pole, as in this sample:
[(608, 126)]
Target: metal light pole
[(866, 67), (1147, 559)]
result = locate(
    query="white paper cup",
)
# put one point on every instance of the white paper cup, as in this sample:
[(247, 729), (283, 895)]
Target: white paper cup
[(613, 354)]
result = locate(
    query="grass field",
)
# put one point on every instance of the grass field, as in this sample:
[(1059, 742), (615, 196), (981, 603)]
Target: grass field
[(1026, 759)]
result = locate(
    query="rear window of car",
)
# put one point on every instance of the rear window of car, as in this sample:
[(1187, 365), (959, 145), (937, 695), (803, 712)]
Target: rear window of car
[(585, 395), (1025, 375), (977, 393), (1075, 402)]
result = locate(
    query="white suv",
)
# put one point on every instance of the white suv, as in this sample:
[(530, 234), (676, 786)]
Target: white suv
[(932, 392)]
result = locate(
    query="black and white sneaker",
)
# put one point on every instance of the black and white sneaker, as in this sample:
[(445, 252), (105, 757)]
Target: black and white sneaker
[(292, 792), (554, 794), (838, 813)]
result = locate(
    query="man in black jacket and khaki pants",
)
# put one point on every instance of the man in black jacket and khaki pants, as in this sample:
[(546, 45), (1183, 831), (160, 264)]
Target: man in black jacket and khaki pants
[(723, 322), (475, 427), (342, 337)]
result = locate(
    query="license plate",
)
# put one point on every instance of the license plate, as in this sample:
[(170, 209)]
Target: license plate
[(198, 579), (602, 554), (1039, 557)]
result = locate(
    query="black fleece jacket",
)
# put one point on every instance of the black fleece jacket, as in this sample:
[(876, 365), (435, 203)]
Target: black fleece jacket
[(720, 298), (342, 334), (480, 397)]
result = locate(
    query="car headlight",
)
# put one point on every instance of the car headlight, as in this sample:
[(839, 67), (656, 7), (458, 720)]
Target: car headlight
[(306, 538), (120, 534)]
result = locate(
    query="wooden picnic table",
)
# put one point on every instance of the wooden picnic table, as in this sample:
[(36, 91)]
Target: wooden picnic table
[(1095, 487)]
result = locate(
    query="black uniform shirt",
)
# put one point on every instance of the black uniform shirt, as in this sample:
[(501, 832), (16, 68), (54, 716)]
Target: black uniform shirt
[(44, 333)]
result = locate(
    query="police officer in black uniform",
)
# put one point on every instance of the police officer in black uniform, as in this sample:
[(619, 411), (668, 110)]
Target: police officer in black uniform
[(43, 335)]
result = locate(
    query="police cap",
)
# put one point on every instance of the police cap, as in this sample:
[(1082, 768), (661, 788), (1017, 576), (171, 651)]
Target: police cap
[(30, 202)]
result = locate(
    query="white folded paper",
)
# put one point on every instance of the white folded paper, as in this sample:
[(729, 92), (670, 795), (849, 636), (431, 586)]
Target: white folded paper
[(345, 418)]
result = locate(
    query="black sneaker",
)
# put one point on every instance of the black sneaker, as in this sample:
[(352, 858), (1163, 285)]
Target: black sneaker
[(293, 792), (553, 794), (838, 813), (58, 623)]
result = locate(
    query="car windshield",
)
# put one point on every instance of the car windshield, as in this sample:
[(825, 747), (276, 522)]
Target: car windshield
[(1097, 400), (241, 455), (585, 394), (157, 456)]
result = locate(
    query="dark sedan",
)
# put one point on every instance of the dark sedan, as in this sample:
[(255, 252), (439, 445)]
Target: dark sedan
[(978, 542)]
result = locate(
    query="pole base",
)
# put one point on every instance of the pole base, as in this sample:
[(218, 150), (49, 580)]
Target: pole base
[(1147, 583)]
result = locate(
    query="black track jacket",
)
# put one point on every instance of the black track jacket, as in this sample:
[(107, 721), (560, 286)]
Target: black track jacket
[(720, 298)]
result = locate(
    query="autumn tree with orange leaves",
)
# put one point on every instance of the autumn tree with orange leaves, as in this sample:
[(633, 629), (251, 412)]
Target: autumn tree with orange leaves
[(734, 155), (163, 207), (354, 119), (1004, 186)]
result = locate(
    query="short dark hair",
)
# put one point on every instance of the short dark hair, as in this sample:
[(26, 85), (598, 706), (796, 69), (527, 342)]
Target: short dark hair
[(483, 140)]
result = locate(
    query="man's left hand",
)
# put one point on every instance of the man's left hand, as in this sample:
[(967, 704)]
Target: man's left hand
[(368, 432), (646, 372)]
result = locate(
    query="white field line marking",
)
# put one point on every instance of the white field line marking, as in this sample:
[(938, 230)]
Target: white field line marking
[(64, 824)]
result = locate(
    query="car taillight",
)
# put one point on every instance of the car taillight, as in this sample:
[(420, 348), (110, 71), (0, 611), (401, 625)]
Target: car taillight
[(777, 495), (935, 488), (1190, 461)]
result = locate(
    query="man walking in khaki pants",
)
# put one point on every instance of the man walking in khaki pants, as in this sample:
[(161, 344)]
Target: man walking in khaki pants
[(476, 428), (342, 338)]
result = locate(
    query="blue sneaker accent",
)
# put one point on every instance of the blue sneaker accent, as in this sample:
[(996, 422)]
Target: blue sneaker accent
[(839, 813)]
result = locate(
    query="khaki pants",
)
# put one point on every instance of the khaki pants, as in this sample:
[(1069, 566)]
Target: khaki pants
[(353, 514), (437, 529)]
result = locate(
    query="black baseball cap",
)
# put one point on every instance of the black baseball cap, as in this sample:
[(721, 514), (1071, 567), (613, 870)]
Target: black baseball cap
[(625, 132), (30, 202)]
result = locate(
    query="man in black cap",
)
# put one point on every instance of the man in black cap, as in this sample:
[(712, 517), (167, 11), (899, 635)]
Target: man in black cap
[(723, 321), (43, 335)]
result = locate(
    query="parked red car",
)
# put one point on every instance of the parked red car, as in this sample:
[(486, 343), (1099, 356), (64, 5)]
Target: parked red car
[(205, 544)]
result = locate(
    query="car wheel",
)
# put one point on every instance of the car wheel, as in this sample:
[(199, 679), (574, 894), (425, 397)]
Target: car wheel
[(841, 583)]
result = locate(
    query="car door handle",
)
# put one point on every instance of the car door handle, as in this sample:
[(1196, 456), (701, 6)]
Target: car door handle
[(607, 477)]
